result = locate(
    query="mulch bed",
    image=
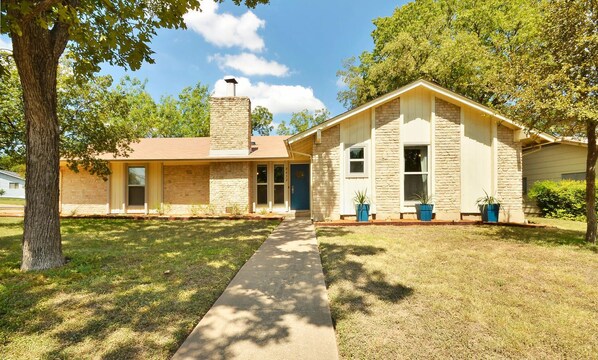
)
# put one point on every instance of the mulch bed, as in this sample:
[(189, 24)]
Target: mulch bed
[(423, 223)]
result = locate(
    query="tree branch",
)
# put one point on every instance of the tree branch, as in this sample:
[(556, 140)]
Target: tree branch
[(39, 9)]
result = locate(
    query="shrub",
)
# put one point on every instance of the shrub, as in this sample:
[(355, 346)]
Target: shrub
[(563, 199)]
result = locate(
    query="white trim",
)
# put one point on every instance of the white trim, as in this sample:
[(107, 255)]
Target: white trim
[(432, 149), (494, 127), (401, 155), (392, 95), (409, 205), (373, 161), (347, 160)]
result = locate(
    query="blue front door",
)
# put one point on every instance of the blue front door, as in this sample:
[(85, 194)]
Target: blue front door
[(300, 186)]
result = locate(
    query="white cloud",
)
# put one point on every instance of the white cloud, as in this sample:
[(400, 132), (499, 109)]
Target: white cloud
[(5, 44), (250, 64), (226, 30), (277, 98)]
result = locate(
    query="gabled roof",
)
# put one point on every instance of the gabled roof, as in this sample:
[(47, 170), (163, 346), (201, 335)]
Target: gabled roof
[(11, 174), (394, 94), (198, 148)]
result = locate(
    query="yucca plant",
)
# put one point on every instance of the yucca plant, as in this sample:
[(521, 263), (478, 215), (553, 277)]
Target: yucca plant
[(361, 197)]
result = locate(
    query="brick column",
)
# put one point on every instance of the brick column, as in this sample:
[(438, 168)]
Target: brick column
[(447, 161)]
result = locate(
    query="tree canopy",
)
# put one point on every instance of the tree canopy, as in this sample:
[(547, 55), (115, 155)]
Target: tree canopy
[(458, 44), (261, 121), (301, 121)]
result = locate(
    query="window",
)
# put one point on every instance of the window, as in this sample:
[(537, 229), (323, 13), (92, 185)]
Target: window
[(278, 184), (136, 185), (262, 184), (357, 161), (416, 172), (13, 185), (574, 176)]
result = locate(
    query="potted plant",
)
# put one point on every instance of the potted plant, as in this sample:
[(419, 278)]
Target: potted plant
[(489, 207), (362, 206), (425, 208)]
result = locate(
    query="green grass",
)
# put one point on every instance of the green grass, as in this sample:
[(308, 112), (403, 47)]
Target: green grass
[(113, 300), (560, 223), (461, 292), (11, 201)]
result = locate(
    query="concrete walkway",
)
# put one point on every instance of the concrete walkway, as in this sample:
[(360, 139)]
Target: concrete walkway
[(275, 308)]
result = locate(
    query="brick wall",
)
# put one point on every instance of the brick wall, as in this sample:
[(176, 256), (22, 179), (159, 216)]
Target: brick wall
[(229, 185), (230, 123), (83, 193), (509, 176), (326, 175), (447, 161), (388, 178), (186, 186)]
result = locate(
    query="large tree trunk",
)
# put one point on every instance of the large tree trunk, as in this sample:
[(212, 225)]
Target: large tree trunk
[(36, 53), (591, 183)]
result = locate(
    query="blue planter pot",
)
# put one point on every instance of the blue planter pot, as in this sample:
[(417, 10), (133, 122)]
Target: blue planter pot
[(490, 212), (424, 211), (363, 212)]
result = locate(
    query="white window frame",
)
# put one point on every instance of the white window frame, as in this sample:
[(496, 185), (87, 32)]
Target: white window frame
[(258, 184), (363, 174), (412, 203), (13, 186), (136, 207), (274, 184)]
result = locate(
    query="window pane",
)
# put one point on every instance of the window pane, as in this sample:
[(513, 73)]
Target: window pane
[(262, 194), (13, 185), (278, 173), (415, 185), (356, 167), (262, 174), (574, 176), (136, 195), (416, 159), (356, 153), (137, 176), (279, 194)]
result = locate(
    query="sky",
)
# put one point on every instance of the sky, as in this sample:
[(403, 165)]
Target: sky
[(285, 55)]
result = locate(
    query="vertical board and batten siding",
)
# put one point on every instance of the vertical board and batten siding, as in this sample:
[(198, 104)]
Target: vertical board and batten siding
[(355, 131), (416, 109), (154, 186), (552, 161), (117, 187), (477, 158)]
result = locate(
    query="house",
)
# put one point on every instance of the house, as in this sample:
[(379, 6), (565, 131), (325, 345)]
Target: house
[(562, 159), (419, 138), (12, 184)]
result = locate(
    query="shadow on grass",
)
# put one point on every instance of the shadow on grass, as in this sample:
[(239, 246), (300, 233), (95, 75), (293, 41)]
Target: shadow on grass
[(138, 277), (347, 263), (545, 237)]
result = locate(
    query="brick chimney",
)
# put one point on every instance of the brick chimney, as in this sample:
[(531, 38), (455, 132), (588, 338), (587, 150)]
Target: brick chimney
[(230, 123)]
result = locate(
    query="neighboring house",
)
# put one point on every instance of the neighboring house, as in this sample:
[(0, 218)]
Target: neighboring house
[(420, 137), (560, 160), (12, 184)]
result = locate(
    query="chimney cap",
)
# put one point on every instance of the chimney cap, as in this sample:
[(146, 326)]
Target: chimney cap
[(231, 80)]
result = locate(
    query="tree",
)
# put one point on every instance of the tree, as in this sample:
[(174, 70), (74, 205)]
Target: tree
[(97, 32), (551, 81), (261, 121), (457, 44), (302, 120), (92, 120)]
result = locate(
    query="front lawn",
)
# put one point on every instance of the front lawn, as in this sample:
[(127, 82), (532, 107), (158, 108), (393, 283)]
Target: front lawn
[(11, 201), (461, 292), (132, 289)]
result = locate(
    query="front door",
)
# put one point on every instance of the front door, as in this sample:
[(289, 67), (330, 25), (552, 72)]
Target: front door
[(300, 186)]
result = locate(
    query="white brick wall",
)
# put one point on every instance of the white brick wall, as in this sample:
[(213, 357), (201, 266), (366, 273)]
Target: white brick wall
[(447, 161), (388, 164), (510, 187), (326, 176)]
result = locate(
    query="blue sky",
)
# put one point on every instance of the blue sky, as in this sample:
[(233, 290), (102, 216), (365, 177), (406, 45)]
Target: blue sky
[(285, 54)]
